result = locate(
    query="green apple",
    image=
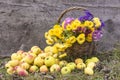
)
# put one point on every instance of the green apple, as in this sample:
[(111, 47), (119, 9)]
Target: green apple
[(49, 61), (65, 70), (44, 68), (54, 68), (88, 71), (95, 59), (63, 63), (80, 66), (33, 68), (71, 65), (38, 61)]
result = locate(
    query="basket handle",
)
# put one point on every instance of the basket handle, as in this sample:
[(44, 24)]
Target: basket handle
[(67, 10)]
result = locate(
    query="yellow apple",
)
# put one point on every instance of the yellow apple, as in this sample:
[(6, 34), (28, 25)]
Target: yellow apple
[(91, 65), (44, 68), (16, 56), (78, 60), (36, 50), (10, 70), (24, 54), (24, 65), (20, 52), (49, 61), (7, 65), (13, 63), (43, 55), (63, 63), (80, 66), (54, 68), (28, 58), (21, 72), (65, 70), (33, 68), (38, 61), (88, 71)]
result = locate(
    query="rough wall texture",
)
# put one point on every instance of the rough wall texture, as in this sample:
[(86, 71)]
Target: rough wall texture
[(23, 22)]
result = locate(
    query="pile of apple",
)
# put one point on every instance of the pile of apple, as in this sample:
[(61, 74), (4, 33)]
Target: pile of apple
[(36, 60)]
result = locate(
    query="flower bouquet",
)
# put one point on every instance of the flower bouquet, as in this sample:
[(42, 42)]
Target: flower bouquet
[(74, 36)]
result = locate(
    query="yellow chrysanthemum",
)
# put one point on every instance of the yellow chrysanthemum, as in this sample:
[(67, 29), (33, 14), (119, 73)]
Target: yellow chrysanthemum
[(89, 38), (60, 47), (46, 35), (57, 26), (68, 27), (81, 38), (71, 39), (75, 24), (51, 32), (67, 44), (49, 42), (97, 22), (58, 32), (63, 55), (88, 24)]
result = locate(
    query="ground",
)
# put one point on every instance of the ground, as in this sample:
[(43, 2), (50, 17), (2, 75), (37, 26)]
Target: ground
[(108, 69)]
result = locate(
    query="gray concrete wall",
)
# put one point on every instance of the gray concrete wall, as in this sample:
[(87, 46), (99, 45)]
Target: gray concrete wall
[(23, 22)]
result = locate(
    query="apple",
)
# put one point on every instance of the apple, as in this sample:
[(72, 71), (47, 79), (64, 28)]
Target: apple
[(95, 59), (7, 65), (78, 60), (21, 72), (43, 55), (55, 55), (80, 66), (28, 59), (13, 63), (24, 65), (71, 65), (43, 68), (33, 68), (49, 61), (10, 70), (16, 56), (48, 49), (54, 68), (36, 50), (24, 54), (57, 61), (38, 61), (91, 65), (63, 63), (20, 52), (65, 70), (88, 71)]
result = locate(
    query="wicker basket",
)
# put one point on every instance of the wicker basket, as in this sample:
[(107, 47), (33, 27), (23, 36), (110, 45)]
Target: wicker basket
[(78, 50)]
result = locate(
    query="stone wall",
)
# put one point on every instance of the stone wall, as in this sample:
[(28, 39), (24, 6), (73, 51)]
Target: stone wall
[(23, 22)]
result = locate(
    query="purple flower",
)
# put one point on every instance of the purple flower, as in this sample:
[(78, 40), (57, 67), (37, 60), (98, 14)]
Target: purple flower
[(87, 16), (97, 34), (68, 21)]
